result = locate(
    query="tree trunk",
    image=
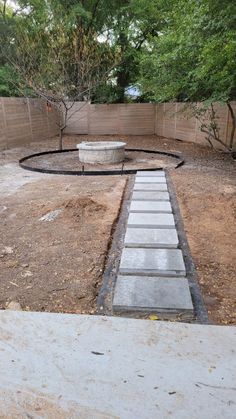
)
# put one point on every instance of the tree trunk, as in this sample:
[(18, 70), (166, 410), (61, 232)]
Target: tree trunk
[(122, 74), (61, 139), (231, 111)]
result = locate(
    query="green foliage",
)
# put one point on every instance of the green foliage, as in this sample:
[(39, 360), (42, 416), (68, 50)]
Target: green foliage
[(54, 46), (194, 56), (7, 86), (172, 50)]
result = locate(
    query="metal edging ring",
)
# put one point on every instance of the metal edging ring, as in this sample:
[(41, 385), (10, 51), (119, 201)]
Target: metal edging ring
[(95, 172)]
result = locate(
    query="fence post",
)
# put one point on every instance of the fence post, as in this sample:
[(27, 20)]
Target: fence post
[(4, 123), (30, 119)]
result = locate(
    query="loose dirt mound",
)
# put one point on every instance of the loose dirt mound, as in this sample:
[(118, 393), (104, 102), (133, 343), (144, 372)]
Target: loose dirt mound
[(78, 208)]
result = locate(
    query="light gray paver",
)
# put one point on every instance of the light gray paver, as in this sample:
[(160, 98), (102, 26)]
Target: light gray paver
[(147, 220), (153, 262), (58, 373), (154, 238), (150, 206), (150, 179), (148, 294), (150, 186), (157, 173), (150, 196)]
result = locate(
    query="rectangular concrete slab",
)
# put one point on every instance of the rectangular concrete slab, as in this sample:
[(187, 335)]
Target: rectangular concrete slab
[(153, 238), (150, 179), (165, 296), (150, 206), (147, 220), (153, 262), (76, 366), (150, 196), (150, 186), (157, 173)]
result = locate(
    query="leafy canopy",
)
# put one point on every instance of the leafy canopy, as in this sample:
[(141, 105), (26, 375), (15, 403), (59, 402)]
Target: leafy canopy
[(194, 56)]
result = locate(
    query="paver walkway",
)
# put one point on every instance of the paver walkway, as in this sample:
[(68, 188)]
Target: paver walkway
[(74, 366), (152, 274)]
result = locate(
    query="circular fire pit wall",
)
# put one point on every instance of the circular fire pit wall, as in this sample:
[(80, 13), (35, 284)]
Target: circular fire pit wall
[(102, 152)]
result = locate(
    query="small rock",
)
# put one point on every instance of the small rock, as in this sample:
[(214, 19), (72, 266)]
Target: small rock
[(26, 273), (51, 216), (2, 208), (14, 305), (25, 265), (7, 250)]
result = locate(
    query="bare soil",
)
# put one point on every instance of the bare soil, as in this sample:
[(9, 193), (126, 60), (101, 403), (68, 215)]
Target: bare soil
[(57, 266)]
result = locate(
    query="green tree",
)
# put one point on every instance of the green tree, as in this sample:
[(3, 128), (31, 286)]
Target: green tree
[(194, 58), (54, 47), (132, 25)]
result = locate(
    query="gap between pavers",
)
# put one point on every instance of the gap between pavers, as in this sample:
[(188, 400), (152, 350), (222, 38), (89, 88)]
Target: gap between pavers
[(147, 220), (167, 297), (150, 187), (151, 238), (150, 196), (153, 262), (150, 207)]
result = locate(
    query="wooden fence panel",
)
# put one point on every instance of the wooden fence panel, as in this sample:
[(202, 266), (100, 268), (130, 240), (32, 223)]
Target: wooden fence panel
[(185, 127), (38, 119), (18, 129), (103, 119), (174, 120), (137, 119), (78, 119), (169, 120), (23, 121), (159, 119)]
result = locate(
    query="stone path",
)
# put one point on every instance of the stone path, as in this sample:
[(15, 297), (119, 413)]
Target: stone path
[(152, 274)]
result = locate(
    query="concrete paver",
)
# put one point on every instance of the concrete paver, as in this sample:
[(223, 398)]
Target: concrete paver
[(150, 206), (151, 220), (153, 262), (154, 238), (150, 196), (166, 296), (150, 186), (157, 173), (150, 179)]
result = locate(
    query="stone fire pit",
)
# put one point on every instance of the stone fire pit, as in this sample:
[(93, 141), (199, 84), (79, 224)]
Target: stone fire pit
[(102, 152)]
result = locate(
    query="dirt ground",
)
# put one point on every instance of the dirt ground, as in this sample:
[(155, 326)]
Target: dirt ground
[(54, 265), (57, 266)]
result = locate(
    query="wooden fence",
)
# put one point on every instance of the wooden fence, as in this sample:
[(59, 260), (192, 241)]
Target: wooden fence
[(171, 120), (23, 121), (174, 120), (121, 119)]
